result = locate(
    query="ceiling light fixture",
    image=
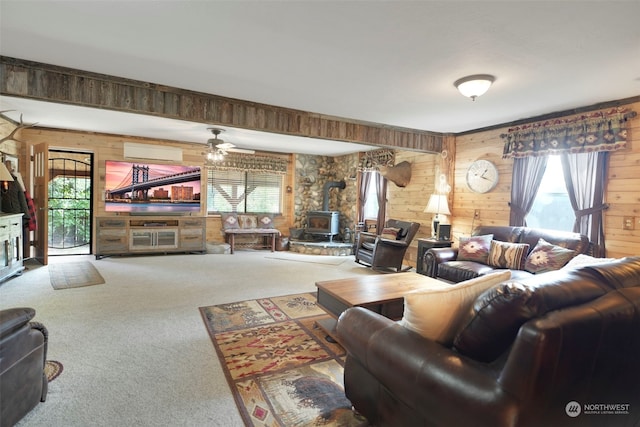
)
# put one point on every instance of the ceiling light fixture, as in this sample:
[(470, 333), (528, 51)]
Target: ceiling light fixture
[(215, 153), (475, 85)]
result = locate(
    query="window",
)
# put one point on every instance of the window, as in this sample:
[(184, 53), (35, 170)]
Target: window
[(552, 207), (239, 191), (371, 205)]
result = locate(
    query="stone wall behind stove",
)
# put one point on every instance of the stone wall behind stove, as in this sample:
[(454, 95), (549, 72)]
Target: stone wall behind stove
[(312, 172)]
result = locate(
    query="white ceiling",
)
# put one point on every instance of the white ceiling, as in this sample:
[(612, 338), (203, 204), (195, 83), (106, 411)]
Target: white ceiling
[(389, 62)]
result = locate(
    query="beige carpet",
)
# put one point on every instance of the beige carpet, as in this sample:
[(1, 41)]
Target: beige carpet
[(313, 259), (135, 350), (74, 275)]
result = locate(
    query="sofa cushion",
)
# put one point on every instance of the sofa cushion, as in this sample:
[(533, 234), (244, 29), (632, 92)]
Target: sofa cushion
[(248, 221), (230, 221), (458, 271), (616, 274), (440, 310), (566, 239), (507, 255), (475, 248), (500, 311), (547, 257)]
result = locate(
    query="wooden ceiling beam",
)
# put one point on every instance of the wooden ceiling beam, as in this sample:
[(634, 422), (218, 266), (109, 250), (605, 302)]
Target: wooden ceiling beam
[(44, 82)]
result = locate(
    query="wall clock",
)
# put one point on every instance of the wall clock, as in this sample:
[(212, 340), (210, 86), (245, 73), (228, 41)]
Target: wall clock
[(482, 176)]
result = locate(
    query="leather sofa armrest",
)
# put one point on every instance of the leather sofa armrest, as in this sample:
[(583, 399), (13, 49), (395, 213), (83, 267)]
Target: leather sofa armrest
[(434, 256), (45, 333), (419, 372), (13, 319)]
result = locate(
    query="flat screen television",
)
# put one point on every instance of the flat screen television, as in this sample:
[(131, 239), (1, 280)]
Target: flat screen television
[(148, 189)]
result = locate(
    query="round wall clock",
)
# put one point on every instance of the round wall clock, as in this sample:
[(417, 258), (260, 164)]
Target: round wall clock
[(482, 176)]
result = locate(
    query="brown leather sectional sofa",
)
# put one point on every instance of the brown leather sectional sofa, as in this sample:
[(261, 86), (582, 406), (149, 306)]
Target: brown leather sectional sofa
[(561, 348), (442, 263)]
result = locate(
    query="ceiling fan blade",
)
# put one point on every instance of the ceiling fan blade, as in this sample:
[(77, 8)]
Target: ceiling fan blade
[(225, 145), (240, 150)]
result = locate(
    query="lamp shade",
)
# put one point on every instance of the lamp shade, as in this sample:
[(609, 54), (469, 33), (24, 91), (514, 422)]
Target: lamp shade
[(438, 204), (5, 175), (474, 86)]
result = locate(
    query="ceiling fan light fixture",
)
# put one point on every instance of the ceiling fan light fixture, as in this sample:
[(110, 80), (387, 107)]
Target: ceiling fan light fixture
[(475, 85), (216, 148)]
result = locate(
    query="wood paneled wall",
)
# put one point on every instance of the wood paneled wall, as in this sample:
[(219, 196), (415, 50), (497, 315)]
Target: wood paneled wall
[(622, 195), (106, 147), (408, 203)]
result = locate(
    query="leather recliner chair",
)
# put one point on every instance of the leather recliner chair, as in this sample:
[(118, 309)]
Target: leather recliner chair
[(381, 253), (23, 352)]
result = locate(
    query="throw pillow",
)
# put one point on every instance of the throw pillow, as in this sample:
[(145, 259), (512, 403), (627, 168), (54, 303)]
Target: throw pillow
[(230, 221), (475, 248), (441, 310), (390, 233), (507, 255), (247, 221), (265, 220), (547, 257)]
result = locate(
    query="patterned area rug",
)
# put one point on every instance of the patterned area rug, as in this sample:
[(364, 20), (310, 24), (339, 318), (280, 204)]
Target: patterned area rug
[(280, 368), (52, 369), (74, 275)]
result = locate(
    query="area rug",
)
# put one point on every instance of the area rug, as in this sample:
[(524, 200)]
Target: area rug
[(312, 259), (281, 369), (52, 369), (74, 275)]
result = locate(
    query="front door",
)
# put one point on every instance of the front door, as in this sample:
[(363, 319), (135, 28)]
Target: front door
[(69, 203)]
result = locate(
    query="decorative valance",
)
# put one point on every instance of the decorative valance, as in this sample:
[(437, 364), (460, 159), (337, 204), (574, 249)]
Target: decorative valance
[(372, 160), (592, 132), (252, 163)]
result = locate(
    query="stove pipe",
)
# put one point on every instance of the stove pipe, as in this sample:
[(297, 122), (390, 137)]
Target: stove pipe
[(327, 186)]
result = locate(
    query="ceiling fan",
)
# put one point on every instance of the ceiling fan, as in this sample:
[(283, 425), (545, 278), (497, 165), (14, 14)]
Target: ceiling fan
[(218, 148)]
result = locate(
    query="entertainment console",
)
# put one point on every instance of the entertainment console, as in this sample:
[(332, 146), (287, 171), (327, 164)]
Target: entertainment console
[(119, 235)]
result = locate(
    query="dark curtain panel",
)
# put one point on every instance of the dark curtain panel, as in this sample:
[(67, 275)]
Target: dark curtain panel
[(365, 179), (527, 175), (381, 187), (585, 175)]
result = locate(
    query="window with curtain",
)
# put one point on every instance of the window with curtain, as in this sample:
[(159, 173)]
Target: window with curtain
[(244, 191), (371, 205), (551, 208), (583, 144)]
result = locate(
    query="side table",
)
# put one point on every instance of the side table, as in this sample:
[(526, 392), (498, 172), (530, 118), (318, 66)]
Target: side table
[(426, 244)]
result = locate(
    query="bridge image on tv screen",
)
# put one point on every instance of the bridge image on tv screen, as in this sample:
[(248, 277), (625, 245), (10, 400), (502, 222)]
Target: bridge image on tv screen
[(151, 188)]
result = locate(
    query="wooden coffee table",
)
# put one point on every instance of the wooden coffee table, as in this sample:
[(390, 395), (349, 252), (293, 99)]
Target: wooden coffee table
[(383, 294)]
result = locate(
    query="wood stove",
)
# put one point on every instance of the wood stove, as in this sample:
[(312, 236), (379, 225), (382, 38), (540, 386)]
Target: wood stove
[(324, 223)]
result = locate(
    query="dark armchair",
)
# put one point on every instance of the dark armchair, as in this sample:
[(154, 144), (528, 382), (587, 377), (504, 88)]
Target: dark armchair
[(380, 252), (23, 351)]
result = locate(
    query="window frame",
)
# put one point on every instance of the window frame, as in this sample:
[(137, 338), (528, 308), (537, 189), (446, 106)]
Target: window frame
[(247, 177)]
